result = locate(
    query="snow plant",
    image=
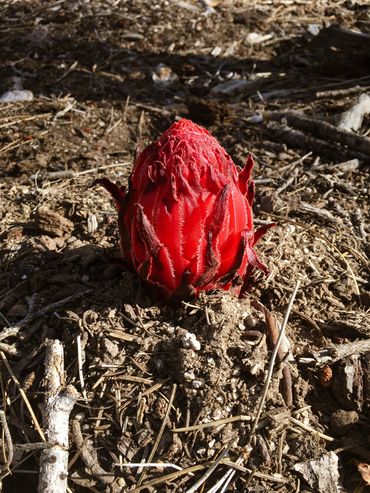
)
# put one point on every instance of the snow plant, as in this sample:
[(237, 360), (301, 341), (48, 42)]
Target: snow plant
[(185, 221)]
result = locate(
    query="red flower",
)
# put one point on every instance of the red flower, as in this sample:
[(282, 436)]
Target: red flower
[(186, 220)]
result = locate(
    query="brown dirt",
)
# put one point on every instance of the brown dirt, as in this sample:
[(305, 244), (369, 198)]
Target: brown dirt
[(90, 67)]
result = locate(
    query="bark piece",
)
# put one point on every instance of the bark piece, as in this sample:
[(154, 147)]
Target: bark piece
[(321, 474), (351, 120), (52, 223), (347, 383)]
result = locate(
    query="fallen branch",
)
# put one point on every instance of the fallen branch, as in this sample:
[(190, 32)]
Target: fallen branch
[(296, 138), (323, 214), (341, 351), (342, 38), (322, 129), (340, 93), (58, 405)]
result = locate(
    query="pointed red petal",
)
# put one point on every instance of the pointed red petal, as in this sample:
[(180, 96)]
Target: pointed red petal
[(245, 174)]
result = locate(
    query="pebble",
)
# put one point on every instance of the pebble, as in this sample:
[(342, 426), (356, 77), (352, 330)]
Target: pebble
[(16, 95), (197, 384), (189, 375), (190, 341)]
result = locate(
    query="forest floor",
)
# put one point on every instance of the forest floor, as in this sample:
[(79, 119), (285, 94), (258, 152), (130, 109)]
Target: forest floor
[(102, 78)]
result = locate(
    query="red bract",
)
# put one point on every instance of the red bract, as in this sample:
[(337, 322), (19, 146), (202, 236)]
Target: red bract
[(186, 220)]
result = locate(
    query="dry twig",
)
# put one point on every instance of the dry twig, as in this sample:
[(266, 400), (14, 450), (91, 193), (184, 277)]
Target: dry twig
[(7, 455), (273, 335), (160, 433), (272, 361), (217, 422), (92, 466), (58, 405), (23, 395)]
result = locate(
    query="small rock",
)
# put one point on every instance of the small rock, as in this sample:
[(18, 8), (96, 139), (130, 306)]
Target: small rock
[(314, 29), (256, 38), (189, 376), (163, 75), (16, 95), (189, 341), (249, 320), (197, 384), (75, 244)]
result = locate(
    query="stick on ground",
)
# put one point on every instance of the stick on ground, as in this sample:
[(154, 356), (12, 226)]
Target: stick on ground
[(273, 359), (59, 402)]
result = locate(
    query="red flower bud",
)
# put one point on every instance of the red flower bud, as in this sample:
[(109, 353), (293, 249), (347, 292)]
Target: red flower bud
[(186, 220)]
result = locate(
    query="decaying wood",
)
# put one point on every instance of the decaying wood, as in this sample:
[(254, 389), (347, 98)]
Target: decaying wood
[(323, 130), (348, 383), (66, 174), (338, 351), (321, 474), (58, 405), (323, 214), (351, 120), (348, 349), (342, 39), (339, 93), (301, 140)]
